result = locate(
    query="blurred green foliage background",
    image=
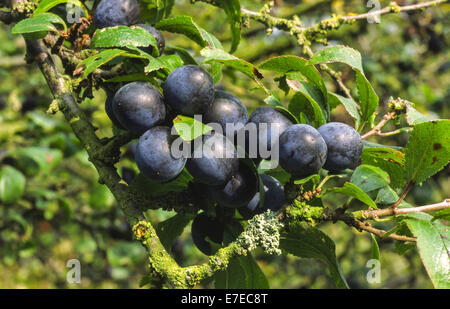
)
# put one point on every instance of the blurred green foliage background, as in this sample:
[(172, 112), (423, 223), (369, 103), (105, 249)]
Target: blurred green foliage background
[(65, 214)]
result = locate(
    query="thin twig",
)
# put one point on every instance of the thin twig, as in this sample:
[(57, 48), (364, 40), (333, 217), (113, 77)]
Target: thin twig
[(377, 129), (394, 8)]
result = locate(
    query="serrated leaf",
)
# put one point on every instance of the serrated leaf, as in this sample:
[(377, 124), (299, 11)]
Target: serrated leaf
[(386, 196), (390, 160), (428, 150), (47, 5), (413, 116), (189, 128), (185, 25), (221, 56), (40, 23), (368, 99), (93, 62), (352, 190), (231, 278), (12, 184), (233, 10), (123, 36), (433, 242), (369, 177), (171, 228), (350, 106), (291, 64), (242, 273), (313, 243), (339, 53)]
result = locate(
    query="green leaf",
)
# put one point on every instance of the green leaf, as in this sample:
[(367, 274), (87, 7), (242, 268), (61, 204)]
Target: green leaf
[(313, 243), (350, 106), (433, 241), (189, 128), (171, 228), (341, 54), (293, 64), (233, 10), (352, 190), (313, 178), (369, 177), (221, 56), (368, 99), (154, 10), (390, 160), (386, 196), (182, 53), (12, 184), (47, 5), (242, 273), (185, 25), (95, 61), (39, 24), (428, 150), (152, 188), (231, 278), (33, 160), (303, 104), (375, 250), (413, 116), (123, 36)]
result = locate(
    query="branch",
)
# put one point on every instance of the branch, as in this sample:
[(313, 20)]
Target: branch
[(394, 8), (379, 213), (377, 129)]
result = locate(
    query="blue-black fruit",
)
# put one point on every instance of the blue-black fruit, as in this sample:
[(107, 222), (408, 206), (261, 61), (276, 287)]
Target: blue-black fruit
[(204, 227), (214, 160), (110, 112), (111, 13), (238, 191), (344, 146), (189, 90), (139, 106), (270, 124), (303, 151), (160, 42), (226, 109), (274, 198), (154, 157)]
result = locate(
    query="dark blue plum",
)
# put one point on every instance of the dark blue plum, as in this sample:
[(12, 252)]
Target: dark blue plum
[(344, 146), (226, 109), (139, 106), (154, 158), (303, 151), (160, 42), (110, 13), (189, 90), (110, 112), (239, 190), (274, 198), (214, 160), (207, 227), (276, 124)]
